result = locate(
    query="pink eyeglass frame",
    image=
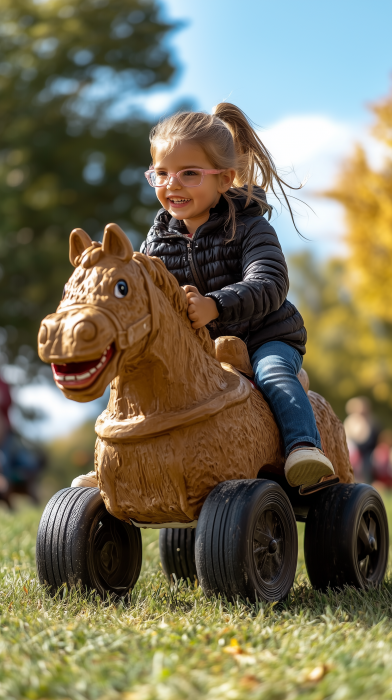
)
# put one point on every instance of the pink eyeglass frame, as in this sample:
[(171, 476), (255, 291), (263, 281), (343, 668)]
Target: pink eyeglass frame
[(203, 172)]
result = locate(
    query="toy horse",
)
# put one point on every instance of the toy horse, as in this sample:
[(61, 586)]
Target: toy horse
[(178, 421)]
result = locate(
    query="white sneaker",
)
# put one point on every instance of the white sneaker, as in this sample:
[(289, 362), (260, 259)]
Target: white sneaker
[(89, 480), (307, 465)]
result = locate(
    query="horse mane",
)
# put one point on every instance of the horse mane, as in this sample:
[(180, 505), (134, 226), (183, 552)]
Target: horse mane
[(168, 284)]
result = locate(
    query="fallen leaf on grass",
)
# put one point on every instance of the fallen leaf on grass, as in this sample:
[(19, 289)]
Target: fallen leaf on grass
[(316, 674), (249, 682), (233, 648)]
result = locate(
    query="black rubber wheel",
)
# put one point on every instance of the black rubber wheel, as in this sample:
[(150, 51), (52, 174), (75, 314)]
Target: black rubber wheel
[(80, 543), (246, 541), (177, 551), (346, 538)]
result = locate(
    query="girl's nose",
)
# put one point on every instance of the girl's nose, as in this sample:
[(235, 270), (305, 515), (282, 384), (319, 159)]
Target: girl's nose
[(173, 182)]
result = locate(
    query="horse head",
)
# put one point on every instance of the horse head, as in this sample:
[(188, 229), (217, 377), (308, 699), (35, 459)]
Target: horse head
[(105, 317)]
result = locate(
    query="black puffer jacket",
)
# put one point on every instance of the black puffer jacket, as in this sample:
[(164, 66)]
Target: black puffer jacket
[(247, 277)]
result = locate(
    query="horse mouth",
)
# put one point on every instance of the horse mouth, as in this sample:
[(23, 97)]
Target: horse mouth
[(79, 375)]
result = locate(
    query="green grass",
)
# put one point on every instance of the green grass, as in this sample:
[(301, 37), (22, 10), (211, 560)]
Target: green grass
[(174, 644)]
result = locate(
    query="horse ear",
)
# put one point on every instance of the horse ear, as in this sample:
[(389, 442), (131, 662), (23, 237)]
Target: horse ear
[(79, 240), (116, 242)]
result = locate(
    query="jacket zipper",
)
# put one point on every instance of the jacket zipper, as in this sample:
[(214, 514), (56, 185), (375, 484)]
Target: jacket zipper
[(200, 284), (199, 281)]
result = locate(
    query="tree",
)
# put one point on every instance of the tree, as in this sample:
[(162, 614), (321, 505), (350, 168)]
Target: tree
[(72, 148), (347, 302), (366, 195), (348, 350)]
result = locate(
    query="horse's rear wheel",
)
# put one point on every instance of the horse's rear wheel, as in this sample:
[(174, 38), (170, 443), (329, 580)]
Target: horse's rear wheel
[(80, 543), (177, 551), (246, 541), (346, 538)]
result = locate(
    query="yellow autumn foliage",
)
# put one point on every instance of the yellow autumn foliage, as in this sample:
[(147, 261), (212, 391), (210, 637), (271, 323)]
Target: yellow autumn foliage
[(349, 351), (366, 195)]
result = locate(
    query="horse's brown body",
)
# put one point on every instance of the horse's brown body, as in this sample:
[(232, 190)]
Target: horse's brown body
[(178, 422)]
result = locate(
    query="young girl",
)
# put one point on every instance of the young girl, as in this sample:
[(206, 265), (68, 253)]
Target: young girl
[(212, 235)]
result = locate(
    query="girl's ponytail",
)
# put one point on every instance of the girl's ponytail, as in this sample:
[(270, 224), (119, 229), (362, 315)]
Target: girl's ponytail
[(253, 158), (230, 141)]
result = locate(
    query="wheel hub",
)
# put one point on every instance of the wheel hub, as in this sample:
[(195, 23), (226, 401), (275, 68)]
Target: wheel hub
[(272, 547), (268, 547), (109, 557), (367, 544), (110, 552)]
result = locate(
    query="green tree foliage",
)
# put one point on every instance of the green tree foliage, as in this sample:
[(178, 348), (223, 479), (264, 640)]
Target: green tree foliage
[(72, 147)]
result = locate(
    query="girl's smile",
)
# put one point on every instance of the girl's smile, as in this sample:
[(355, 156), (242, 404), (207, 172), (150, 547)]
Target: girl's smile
[(178, 203)]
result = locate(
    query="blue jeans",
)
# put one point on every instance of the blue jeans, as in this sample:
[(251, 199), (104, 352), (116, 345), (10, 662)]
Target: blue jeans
[(276, 366)]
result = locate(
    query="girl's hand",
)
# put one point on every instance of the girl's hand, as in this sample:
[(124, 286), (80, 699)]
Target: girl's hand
[(201, 310)]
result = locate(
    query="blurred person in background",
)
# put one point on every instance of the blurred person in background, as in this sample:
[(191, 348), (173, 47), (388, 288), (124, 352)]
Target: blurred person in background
[(5, 403), (362, 433), (20, 461), (381, 460)]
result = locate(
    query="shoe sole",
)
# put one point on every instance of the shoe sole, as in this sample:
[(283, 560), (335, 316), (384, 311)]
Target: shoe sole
[(307, 472), (86, 483)]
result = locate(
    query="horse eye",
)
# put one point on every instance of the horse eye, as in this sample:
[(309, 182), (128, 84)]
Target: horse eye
[(121, 289)]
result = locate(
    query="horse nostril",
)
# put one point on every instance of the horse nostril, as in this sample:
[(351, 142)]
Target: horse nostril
[(43, 334), (85, 330)]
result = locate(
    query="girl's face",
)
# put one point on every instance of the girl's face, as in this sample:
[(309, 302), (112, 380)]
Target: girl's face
[(191, 204)]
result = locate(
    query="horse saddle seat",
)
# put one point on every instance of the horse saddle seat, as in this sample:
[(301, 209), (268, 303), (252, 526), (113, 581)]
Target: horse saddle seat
[(233, 351)]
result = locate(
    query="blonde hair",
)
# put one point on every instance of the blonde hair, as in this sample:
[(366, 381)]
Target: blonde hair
[(229, 141)]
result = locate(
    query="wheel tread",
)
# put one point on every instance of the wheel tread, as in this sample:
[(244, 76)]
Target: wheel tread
[(177, 552), (224, 552), (331, 536), (64, 542)]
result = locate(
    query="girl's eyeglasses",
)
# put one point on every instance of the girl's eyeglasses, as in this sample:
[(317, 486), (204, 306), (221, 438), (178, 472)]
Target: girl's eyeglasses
[(193, 177)]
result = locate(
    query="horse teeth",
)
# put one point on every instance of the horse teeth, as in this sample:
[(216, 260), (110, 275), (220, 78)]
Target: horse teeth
[(85, 375)]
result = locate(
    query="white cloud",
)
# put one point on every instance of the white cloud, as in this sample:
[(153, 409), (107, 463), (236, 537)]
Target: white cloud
[(311, 148), (297, 139)]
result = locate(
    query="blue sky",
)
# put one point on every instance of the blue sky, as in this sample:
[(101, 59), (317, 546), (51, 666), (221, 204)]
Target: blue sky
[(279, 58)]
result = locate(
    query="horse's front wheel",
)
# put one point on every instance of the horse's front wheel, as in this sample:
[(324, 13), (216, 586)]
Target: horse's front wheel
[(246, 541), (80, 543)]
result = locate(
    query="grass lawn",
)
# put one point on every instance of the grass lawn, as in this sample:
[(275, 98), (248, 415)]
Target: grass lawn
[(172, 644)]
